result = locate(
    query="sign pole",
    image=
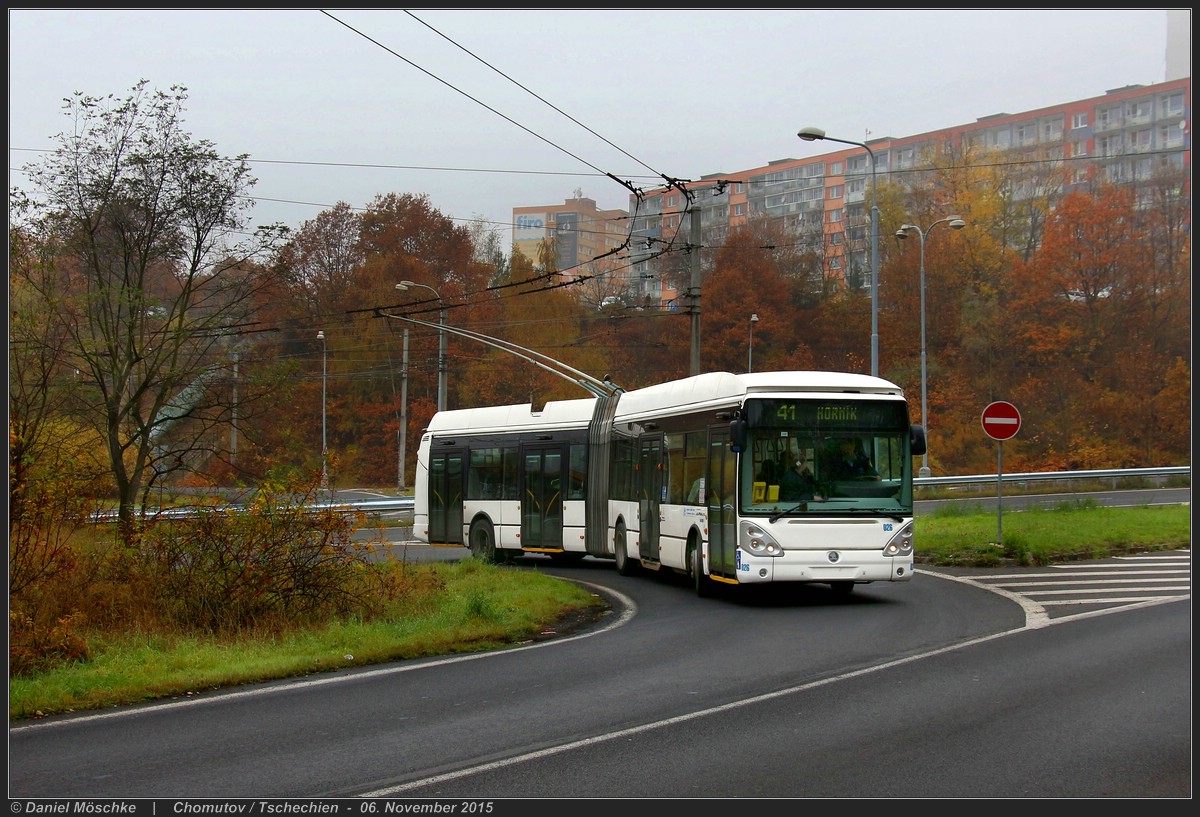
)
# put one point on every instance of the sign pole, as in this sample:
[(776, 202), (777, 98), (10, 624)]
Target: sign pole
[(1000, 493), (1001, 421)]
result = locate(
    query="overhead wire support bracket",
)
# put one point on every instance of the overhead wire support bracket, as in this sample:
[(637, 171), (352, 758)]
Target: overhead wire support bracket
[(599, 388)]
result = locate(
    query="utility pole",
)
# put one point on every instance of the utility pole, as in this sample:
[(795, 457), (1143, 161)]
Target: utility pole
[(233, 441), (402, 448), (694, 288)]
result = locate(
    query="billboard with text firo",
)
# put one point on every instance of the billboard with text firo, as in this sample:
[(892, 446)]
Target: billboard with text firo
[(531, 227)]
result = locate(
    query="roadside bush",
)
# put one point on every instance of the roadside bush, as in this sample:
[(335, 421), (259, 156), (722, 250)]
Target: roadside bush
[(275, 564), (44, 515), (33, 648), (49, 565)]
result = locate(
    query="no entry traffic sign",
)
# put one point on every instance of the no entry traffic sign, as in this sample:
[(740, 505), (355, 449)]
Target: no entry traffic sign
[(1001, 420)]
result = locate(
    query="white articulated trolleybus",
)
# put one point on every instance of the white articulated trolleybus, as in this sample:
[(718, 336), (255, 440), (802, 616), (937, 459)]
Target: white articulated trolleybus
[(735, 478)]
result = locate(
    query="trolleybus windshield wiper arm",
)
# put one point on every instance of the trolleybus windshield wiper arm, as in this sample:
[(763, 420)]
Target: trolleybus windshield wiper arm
[(829, 500), (773, 518), (888, 512)]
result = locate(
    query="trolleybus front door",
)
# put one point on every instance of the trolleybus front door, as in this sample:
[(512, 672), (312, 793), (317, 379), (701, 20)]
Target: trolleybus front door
[(542, 499), (446, 496), (722, 519), (650, 486)]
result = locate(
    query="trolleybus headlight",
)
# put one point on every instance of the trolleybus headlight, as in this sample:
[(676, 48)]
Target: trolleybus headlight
[(757, 541), (901, 544)]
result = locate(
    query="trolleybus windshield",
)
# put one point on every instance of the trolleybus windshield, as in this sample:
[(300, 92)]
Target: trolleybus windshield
[(826, 456)]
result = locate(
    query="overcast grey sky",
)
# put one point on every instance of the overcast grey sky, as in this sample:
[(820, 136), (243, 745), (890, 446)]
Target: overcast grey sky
[(681, 93)]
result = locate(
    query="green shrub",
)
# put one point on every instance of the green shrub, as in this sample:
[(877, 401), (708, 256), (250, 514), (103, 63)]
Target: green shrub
[(274, 563)]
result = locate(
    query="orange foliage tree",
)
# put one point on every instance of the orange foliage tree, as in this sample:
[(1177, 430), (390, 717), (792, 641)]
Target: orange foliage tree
[(753, 274), (1082, 345)]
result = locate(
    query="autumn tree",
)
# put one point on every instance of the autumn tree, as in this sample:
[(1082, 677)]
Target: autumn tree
[(55, 464), (1164, 214), (489, 248), (319, 262), (375, 374), (151, 276), (1083, 307), (812, 280), (755, 273), (965, 318)]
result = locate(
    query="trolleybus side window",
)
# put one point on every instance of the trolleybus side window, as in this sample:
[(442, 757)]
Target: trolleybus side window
[(677, 485), (485, 476), (578, 471), (622, 470), (511, 473), (695, 449)]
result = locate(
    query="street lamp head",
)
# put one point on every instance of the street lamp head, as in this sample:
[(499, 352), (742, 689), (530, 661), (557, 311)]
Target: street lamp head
[(904, 230), (754, 318), (956, 223), (320, 335), (811, 134), (411, 284)]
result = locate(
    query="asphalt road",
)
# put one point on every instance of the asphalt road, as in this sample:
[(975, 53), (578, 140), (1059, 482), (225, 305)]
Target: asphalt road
[(940, 687)]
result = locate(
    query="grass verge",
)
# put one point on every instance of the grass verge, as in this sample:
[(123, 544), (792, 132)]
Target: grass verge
[(1040, 536), (475, 607)]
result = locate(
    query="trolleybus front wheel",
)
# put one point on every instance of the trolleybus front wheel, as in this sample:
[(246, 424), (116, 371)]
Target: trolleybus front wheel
[(702, 583)]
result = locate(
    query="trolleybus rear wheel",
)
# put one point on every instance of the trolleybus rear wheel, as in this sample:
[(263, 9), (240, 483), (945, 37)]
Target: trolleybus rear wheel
[(483, 542), (625, 565)]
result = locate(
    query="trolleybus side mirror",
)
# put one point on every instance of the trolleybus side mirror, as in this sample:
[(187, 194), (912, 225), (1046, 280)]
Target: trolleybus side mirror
[(916, 438), (737, 434)]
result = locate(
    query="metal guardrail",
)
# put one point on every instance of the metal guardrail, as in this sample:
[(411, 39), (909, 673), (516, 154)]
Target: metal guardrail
[(393, 504), (401, 504), (1068, 476)]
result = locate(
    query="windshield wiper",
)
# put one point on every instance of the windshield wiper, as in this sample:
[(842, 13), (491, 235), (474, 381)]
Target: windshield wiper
[(773, 518), (890, 512)]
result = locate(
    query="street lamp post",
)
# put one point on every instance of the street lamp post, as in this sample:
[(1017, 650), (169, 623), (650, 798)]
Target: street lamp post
[(324, 445), (955, 223), (811, 134), (750, 355), (441, 399)]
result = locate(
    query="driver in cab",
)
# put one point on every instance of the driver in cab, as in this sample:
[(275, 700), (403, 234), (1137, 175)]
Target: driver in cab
[(849, 462)]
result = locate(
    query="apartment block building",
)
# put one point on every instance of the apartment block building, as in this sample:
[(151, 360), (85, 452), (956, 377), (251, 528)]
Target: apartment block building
[(1127, 133)]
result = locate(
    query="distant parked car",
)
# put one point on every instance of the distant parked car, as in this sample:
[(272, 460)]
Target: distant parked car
[(1076, 295)]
